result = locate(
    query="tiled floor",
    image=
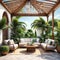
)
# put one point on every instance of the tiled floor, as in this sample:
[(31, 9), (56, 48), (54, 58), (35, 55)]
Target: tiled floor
[(39, 54)]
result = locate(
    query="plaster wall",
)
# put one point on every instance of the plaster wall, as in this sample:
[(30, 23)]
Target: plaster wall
[(2, 10)]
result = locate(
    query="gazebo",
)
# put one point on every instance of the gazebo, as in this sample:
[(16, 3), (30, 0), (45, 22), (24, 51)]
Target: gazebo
[(33, 8)]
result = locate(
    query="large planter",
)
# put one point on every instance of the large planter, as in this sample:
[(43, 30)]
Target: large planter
[(58, 48), (4, 50), (4, 53)]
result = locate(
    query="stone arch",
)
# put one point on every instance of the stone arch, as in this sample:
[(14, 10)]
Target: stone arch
[(5, 31)]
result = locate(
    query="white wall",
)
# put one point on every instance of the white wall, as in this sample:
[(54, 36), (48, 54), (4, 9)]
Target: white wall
[(2, 10), (38, 31)]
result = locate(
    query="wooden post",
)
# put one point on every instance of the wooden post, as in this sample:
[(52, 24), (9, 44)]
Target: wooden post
[(0, 1), (53, 25), (47, 18), (11, 17)]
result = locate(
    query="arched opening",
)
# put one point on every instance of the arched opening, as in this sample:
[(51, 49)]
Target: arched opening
[(5, 31)]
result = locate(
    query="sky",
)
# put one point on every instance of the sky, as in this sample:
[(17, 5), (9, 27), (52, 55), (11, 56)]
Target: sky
[(29, 19)]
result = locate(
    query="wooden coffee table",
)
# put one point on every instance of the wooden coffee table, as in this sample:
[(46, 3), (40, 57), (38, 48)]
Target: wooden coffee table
[(31, 48)]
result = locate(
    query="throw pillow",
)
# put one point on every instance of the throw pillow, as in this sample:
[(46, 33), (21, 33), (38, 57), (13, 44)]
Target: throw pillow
[(6, 42), (46, 41), (51, 43), (11, 42)]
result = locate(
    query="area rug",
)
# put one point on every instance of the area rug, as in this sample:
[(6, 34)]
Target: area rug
[(31, 56), (38, 51)]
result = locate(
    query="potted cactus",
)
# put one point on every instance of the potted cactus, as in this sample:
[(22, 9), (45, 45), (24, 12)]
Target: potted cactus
[(4, 50)]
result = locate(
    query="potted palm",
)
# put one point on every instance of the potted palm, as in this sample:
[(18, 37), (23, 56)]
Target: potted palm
[(4, 50), (3, 23), (2, 26), (38, 25), (17, 30), (58, 40)]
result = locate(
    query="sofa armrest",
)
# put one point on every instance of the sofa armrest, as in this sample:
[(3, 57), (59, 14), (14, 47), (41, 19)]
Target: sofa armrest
[(13, 46)]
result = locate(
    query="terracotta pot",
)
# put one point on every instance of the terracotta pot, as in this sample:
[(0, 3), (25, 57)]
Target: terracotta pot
[(4, 53), (58, 49)]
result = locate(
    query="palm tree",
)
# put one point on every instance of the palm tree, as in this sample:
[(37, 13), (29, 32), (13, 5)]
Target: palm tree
[(17, 29), (38, 23), (3, 23), (55, 22), (3, 26), (29, 34), (55, 26)]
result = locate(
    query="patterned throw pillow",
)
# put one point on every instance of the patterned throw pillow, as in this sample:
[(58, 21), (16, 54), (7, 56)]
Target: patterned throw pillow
[(6, 42), (46, 41), (51, 43), (11, 42)]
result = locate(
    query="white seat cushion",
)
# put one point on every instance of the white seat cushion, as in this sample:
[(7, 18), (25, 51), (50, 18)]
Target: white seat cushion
[(50, 46), (43, 45), (15, 46), (36, 43), (22, 43)]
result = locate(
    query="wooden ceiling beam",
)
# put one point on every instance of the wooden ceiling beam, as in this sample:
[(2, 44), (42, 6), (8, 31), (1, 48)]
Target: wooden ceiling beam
[(6, 7), (53, 8), (51, 1), (28, 14), (34, 5), (41, 9), (10, 2), (21, 6), (37, 7), (0, 1), (45, 2)]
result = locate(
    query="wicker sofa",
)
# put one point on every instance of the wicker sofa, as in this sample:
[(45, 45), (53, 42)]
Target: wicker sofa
[(49, 44), (11, 44), (25, 41)]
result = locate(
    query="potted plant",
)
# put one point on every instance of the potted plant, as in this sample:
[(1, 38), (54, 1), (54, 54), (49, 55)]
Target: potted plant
[(17, 30), (58, 48), (58, 40), (3, 23), (2, 26), (34, 40), (4, 50)]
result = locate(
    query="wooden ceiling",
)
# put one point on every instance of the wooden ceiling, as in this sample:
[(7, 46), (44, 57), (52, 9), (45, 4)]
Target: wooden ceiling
[(43, 7)]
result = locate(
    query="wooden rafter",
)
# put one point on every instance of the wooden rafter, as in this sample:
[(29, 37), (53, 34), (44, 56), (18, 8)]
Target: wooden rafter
[(28, 14), (0, 1), (21, 6), (10, 1), (51, 1), (44, 7), (33, 4), (46, 2), (37, 7), (6, 7), (54, 7), (41, 8)]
